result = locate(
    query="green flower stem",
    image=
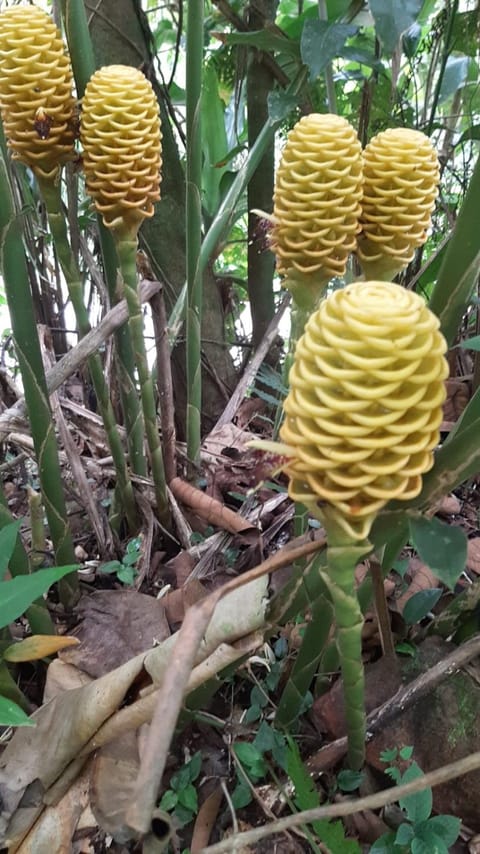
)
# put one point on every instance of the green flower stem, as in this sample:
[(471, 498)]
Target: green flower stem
[(343, 555), (17, 289), (194, 62), (53, 202), (127, 255), (125, 362)]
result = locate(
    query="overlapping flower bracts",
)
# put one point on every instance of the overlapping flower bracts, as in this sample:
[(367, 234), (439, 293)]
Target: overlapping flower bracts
[(36, 101), (401, 177), (121, 138), (365, 402), (317, 198)]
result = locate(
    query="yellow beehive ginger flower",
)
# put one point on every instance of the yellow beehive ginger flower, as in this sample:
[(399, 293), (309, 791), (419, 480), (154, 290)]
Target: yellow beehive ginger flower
[(317, 197), (36, 101), (121, 138), (365, 403), (401, 177)]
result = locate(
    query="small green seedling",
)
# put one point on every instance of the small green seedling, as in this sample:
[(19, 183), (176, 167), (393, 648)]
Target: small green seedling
[(125, 570), (420, 833), (180, 799)]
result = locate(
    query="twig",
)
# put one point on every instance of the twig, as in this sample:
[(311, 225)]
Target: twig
[(371, 802), (253, 366), (383, 617), (78, 354), (170, 698)]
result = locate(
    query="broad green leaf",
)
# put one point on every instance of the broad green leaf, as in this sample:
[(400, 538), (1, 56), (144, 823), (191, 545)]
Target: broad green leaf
[(426, 842), (280, 104), (214, 141), (349, 780), (454, 76), (169, 800), (13, 715), (38, 646), (404, 834), (420, 605), (447, 827), (241, 796), (441, 546), (188, 798), (418, 806), (384, 845), (16, 595), (8, 537), (471, 343), (321, 42), (262, 40), (393, 19)]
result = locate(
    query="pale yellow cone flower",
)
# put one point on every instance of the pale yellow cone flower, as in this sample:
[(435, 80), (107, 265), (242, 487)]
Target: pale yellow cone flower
[(401, 177), (365, 403), (36, 101), (318, 190), (121, 139)]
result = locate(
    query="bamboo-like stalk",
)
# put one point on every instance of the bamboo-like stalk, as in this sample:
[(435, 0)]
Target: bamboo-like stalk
[(343, 555), (52, 197), (127, 254), (17, 289), (194, 63), (83, 65)]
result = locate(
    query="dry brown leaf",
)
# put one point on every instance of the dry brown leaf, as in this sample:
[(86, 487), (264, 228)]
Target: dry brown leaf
[(38, 646), (116, 626), (63, 677), (177, 601), (449, 506), (205, 820), (114, 773), (458, 395), (473, 555), (211, 510)]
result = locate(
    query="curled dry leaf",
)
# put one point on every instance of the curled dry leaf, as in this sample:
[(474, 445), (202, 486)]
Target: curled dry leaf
[(473, 555), (38, 646)]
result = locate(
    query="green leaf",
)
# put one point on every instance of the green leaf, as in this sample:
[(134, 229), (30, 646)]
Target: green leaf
[(169, 800), (188, 798), (17, 594), (418, 806), (126, 575), (280, 104), (384, 845), (348, 780), (263, 40), (8, 538), (429, 844), (393, 19), (471, 343), (251, 758), (195, 765), (110, 567), (404, 834), (454, 76), (445, 827), (389, 755), (13, 715), (420, 605), (241, 796), (405, 648), (406, 752), (441, 546), (321, 42)]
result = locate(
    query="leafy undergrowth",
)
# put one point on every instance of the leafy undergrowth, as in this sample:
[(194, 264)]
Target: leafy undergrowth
[(259, 734)]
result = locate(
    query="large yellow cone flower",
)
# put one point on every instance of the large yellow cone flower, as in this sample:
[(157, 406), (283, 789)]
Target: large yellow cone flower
[(317, 198), (400, 187), (365, 403), (36, 101), (121, 138)]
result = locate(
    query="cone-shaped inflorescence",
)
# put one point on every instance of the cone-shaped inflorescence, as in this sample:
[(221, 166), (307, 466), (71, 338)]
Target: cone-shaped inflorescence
[(120, 134), (317, 197), (365, 403), (36, 101), (401, 177), (121, 138)]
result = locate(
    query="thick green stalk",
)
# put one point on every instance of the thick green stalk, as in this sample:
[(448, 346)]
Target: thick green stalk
[(17, 288), (194, 64), (343, 556), (53, 202), (83, 64), (127, 255)]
